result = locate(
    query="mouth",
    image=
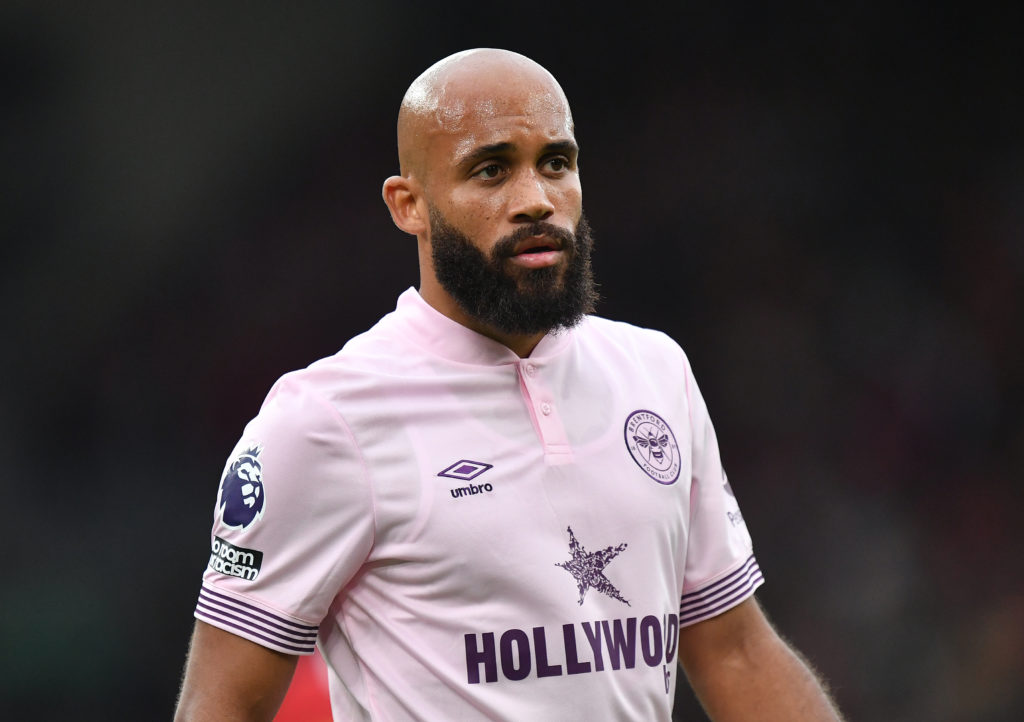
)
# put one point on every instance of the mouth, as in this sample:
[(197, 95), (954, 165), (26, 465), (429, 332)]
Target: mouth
[(537, 252), (537, 244)]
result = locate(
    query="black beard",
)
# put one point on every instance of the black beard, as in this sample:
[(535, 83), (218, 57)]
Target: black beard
[(528, 301)]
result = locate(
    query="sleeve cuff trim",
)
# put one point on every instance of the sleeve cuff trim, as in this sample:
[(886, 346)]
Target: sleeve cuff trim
[(721, 595), (254, 623)]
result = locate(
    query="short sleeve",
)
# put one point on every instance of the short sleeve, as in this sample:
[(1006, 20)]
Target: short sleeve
[(720, 570), (293, 523)]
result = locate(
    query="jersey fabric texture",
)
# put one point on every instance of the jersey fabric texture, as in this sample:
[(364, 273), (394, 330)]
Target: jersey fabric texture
[(471, 535)]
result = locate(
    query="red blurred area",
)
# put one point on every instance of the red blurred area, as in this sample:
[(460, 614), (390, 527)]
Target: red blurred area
[(307, 698)]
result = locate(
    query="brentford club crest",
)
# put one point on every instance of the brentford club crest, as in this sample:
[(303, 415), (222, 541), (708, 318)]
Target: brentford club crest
[(653, 446)]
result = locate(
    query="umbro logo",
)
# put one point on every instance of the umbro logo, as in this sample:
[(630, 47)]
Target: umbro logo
[(466, 470), (470, 490)]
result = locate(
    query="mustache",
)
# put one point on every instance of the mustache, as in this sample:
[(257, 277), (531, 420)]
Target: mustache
[(505, 246)]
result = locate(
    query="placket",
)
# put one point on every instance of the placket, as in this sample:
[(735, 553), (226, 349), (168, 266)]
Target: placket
[(544, 412)]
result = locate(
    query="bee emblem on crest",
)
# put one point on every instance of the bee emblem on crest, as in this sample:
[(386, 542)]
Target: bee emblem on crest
[(652, 445)]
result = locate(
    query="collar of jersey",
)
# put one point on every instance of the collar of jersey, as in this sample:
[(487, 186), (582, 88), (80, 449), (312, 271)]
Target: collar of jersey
[(444, 337)]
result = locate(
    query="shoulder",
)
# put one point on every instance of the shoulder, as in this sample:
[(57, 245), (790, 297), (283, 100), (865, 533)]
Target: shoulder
[(377, 352), (647, 343)]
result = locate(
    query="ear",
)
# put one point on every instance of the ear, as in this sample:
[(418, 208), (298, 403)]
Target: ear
[(403, 199)]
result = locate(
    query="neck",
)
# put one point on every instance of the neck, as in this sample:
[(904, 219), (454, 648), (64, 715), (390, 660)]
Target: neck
[(520, 344)]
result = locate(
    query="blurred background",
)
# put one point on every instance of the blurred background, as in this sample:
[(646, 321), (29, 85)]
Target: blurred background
[(823, 205)]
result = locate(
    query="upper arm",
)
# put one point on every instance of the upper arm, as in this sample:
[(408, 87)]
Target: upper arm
[(230, 678), (741, 669), (724, 639)]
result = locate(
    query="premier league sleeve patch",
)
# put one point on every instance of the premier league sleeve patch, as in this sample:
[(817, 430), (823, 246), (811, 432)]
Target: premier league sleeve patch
[(241, 490)]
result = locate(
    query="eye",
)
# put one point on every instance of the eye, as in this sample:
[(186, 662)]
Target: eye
[(557, 164), (489, 172)]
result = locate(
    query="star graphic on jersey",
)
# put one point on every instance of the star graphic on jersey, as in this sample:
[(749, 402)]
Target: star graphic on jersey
[(588, 568)]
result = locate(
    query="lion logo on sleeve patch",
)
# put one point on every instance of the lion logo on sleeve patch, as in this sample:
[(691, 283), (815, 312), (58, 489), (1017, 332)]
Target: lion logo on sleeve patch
[(653, 446), (241, 490)]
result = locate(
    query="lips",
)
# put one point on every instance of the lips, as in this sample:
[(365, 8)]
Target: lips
[(537, 244)]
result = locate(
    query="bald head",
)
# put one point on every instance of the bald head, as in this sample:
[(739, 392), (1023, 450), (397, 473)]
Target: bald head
[(473, 84)]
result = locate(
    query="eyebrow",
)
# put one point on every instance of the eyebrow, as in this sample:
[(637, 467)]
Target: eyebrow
[(567, 147)]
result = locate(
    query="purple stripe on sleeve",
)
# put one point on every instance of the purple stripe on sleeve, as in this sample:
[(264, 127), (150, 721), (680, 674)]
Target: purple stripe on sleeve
[(246, 611), (255, 623), (248, 633), (283, 621), (691, 616), (725, 581), (721, 595), (712, 600)]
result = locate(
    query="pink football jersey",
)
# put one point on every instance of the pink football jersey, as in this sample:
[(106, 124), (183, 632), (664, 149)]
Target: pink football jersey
[(471, 535)]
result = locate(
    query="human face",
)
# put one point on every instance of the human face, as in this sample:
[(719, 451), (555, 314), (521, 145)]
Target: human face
[(503, 157), (510, 299)]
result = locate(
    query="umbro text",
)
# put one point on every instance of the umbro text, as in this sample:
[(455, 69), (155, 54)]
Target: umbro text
[(470, 490)]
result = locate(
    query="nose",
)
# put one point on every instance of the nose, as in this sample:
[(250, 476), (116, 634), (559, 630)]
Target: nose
[(531, 199)]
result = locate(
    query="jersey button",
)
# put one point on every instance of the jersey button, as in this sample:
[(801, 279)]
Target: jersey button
[(530, 369), (545, 408)]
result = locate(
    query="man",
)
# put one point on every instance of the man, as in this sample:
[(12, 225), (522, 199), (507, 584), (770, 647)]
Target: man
[(492, 505)]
